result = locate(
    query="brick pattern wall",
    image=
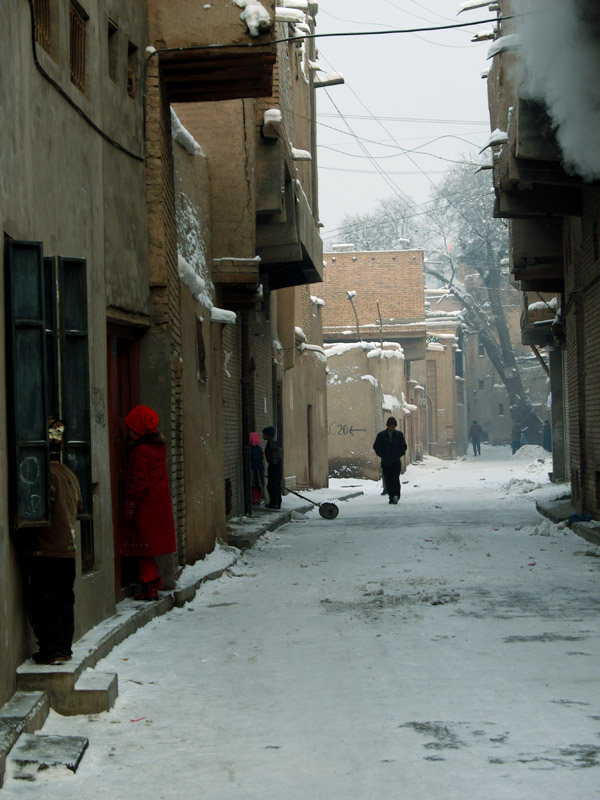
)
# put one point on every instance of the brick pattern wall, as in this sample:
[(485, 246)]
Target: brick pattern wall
[(393, 278), (164, 280), (232, 412), (588, 351), (261, 352)]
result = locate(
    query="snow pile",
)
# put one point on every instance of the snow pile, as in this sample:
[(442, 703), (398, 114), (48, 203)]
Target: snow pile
[(560, 62), (183, 137), (255, 15), (317, 301), (191, 260)]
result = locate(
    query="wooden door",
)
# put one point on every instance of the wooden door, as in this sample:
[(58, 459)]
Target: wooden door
[(123, 395)]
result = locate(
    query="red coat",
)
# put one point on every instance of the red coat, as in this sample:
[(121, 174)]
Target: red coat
[(151, 532)]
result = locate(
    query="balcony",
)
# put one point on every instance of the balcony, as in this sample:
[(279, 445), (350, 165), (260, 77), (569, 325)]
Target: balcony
[(529, 177), (287, 238), (244, 68)]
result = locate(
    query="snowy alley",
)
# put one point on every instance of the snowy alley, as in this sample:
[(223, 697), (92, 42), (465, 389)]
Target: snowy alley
[(443, 648)]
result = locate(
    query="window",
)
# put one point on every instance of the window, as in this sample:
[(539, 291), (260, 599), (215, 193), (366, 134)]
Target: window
[(481, 383), (132, 69), (113, 50), (41, 16), (48, 368), (77, 27), (481, 348), (500, 409)]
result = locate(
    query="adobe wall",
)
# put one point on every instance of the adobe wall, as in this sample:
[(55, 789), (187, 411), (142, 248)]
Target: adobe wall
[(70, 198)]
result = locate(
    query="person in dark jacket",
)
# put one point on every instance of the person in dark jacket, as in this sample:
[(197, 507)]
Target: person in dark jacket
[(148, 507), (50, 561), (274, 457), (475, 433), (390, 446)]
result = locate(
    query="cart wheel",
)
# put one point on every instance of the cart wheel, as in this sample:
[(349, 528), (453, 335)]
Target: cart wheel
[(328, 510)]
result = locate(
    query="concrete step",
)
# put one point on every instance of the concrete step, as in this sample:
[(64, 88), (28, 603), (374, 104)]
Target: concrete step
[(35, 753), (95, 692), (25, 712)]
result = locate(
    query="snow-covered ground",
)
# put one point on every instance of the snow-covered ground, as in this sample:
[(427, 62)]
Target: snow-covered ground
[(446, 648)]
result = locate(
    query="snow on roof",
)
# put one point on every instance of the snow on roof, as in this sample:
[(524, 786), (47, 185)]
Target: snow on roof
[(286, 14), (496, 137), (272, 115), (223, 316), (301, 4), (301, 155), (317, 301), (390, 403), (183, 137), (505, 44), (542, 305), (345, 347), (472, 4), (255, 15), (371, 379), (436, 346)]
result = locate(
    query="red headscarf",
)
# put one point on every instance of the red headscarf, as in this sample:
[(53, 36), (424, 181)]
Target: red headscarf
[(254, 439), (142, 419)]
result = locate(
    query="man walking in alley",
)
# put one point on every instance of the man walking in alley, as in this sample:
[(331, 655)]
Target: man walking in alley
[(274, 458), (390, 446), (475, 437)]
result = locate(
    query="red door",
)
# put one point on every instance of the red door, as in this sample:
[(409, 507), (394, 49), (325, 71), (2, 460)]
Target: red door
[(123, 395)]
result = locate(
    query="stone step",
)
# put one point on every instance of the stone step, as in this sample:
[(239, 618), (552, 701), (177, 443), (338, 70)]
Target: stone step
[(24, 712), (34, 753), (94, 692)]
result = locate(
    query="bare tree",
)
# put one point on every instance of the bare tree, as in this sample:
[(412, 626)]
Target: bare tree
[(464, 211), (459, 227)]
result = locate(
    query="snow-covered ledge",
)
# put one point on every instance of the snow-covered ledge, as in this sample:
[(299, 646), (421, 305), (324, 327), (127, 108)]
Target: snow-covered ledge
[(223, 316)]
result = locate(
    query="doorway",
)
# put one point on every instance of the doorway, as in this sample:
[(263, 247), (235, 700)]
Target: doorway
[(123, 395)]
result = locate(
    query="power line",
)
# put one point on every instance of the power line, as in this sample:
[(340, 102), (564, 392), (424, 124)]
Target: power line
[(432, 120)]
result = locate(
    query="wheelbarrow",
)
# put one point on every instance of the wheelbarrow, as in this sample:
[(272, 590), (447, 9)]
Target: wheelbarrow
[(326, 510)]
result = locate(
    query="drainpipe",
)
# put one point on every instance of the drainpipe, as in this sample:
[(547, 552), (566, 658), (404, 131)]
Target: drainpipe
[(245, 382)]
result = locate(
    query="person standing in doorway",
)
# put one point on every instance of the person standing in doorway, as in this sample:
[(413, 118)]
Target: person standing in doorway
[(50, 561), (274, 457), (475, 433), (390, 446), (148, 506)]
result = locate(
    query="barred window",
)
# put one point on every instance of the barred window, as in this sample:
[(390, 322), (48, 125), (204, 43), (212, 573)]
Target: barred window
[(41, 15), (78, 20)]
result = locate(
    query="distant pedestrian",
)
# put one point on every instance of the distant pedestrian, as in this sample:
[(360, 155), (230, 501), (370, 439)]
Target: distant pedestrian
[(148, 506), (515, 437), (50, 561), (475, 434), (390, 446), (257, 467), (547, 437), (274, 458)]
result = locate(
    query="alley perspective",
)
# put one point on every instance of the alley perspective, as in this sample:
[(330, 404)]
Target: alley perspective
[(444, 647)]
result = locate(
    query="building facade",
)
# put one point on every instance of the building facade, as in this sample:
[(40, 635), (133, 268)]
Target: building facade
[(134, 272)]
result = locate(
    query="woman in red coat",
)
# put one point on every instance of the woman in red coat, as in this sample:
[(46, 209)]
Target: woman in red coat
[(147, 500)]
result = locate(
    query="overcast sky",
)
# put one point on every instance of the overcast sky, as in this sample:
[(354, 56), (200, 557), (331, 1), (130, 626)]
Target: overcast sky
[(425, 89)]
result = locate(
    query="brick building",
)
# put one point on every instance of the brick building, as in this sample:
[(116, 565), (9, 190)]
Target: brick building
[(161, 270), (388, 306), (543, 179)]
